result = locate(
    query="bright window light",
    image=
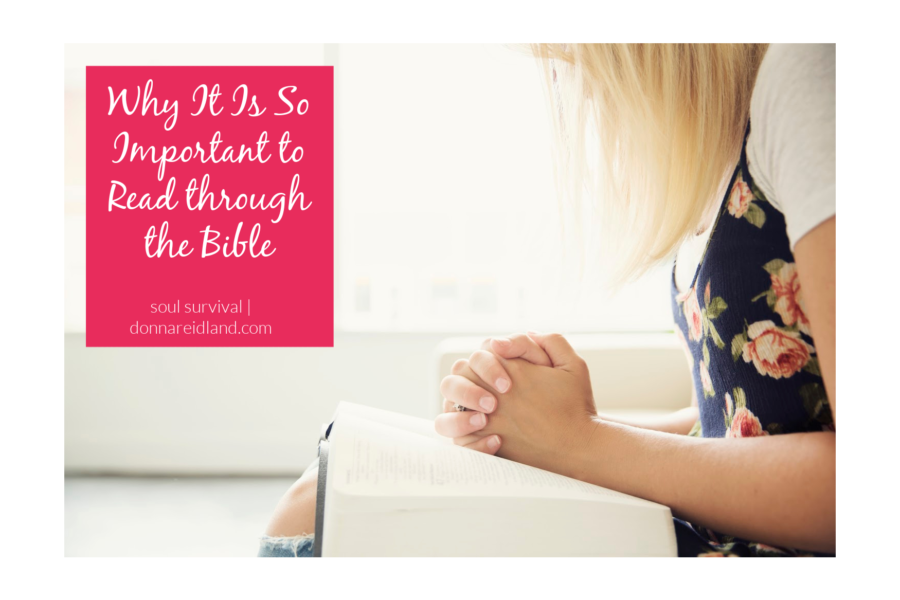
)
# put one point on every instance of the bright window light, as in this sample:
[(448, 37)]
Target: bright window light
[(447, 216)]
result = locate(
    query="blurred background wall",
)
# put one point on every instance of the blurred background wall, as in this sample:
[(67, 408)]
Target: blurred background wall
[(231, 410)]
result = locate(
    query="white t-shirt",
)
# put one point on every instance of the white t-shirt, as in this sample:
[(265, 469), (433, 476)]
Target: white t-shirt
[(791, 147), (790, 151)]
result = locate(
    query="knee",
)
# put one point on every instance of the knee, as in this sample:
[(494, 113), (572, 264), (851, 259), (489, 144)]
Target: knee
[(296, 511)]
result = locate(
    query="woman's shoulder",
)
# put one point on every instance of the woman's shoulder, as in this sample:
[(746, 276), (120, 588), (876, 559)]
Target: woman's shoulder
[(791, 148)]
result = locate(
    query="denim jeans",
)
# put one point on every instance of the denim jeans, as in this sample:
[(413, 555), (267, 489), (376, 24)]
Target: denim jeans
[(288, 547)]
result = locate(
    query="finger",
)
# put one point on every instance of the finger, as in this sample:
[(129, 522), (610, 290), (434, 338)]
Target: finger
[(459, 367), (561, 353), (485, 365), (450, 406), (459, 390), (457, 424), (488, 445), (521, 346), (463, 369), (465, 440)]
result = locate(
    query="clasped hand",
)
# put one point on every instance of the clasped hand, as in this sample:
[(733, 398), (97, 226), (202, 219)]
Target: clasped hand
[(528, 397)]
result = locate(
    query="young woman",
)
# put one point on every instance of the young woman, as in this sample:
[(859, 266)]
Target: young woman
[(724, 157)]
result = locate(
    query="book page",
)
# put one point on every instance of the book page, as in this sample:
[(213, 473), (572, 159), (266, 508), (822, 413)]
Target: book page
[(423, 427), (371, 458)]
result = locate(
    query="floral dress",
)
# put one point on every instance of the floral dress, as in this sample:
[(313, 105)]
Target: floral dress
[(747, 338)]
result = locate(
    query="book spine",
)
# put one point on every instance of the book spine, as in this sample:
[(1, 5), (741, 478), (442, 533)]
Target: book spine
[(321, 485)]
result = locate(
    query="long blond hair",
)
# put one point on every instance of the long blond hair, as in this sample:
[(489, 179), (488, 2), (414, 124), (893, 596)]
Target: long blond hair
[(651, 132)]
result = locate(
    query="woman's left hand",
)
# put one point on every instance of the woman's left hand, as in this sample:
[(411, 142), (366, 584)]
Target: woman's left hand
[(546, 413)]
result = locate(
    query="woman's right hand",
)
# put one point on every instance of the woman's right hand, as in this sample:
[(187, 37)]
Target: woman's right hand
[(478, 383)]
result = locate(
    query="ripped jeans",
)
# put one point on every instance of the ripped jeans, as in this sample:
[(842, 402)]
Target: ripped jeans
[(299, 546), (288, 547)]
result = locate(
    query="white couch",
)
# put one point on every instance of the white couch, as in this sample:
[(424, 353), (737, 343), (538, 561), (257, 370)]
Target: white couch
[(631, 374)]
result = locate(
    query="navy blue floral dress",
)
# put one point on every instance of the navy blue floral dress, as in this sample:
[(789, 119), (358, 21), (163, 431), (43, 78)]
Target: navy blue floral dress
[(748, 342)]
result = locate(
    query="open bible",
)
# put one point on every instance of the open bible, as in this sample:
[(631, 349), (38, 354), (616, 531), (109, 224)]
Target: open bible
[(390, 486)]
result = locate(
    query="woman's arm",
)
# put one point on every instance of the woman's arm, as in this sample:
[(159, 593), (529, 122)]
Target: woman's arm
[(776, 489), (679, 422), (815, 254)]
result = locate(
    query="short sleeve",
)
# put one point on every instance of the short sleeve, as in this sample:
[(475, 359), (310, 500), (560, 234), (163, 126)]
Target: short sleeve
[(791, 148)]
